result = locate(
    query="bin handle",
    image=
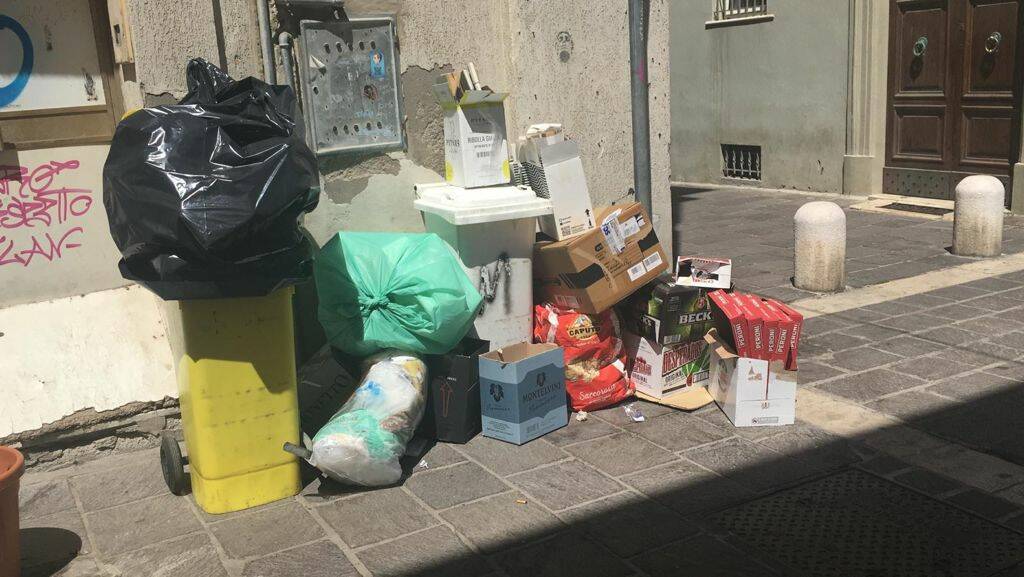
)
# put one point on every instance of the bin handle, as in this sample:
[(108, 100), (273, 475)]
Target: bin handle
[(300, 452)]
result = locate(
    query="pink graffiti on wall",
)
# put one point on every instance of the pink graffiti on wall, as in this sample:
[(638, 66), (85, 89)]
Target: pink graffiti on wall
[(32, 201)]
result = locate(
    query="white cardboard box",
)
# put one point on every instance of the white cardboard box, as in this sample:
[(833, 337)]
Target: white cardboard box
[(659, 371), (555, 172), (751, 392), (704, 272), (475, 139)]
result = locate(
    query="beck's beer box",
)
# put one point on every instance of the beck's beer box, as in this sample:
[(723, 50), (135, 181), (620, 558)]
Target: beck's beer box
[(665, 328), (522, 392), (593, 271), (667, 313)]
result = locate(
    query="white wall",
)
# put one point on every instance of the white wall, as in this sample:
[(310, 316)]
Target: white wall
[(65, 68), (54, 238), (101, 350)]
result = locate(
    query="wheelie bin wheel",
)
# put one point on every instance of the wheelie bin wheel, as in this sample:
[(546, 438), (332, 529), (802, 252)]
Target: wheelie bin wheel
[(173, 465)]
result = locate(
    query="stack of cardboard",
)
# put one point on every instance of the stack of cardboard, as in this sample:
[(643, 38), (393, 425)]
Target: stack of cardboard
[(754, 350)]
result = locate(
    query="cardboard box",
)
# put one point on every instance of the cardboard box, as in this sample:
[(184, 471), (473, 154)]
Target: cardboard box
[(522, 392), (555, 172), (453, 398), (704, 272), (668, 313), (588, 273), (659, 371), (475, 138), (794, 335), (780, 350), (771, 326), (751, 392), (756, 347), (729, 320)]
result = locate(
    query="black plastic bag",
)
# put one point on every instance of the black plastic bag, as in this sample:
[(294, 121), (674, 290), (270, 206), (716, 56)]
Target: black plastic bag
[(204, 197)]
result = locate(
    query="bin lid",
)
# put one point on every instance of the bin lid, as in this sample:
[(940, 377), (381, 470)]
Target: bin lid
[(460, 205)]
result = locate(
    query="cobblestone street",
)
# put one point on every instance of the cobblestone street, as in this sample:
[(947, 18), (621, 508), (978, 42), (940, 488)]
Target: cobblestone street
[(906, 460)]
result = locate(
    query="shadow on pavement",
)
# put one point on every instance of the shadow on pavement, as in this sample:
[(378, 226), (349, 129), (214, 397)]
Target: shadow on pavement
[(45, 551)]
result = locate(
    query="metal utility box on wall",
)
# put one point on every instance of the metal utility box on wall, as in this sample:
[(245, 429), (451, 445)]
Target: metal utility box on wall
[(350, 78)]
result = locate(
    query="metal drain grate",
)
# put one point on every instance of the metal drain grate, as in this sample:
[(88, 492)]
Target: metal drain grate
[(853, 523), (933, 210)]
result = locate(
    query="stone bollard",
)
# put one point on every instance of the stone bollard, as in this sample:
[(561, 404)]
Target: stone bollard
[(820, 249), (978, 216)]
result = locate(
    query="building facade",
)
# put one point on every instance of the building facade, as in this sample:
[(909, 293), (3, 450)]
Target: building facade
[(76, 338), (852, 96)]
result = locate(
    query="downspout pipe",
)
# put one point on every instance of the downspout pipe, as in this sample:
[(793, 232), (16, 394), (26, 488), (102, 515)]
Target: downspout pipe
[(639, 12), (284, 40), (266, 42)]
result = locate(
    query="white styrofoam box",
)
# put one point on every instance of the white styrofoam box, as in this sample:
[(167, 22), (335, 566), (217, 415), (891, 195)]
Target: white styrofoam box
[(751, 392), (492, 230)]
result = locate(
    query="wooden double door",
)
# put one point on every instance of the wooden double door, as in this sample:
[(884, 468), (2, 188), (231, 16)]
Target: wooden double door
[(955, 74)]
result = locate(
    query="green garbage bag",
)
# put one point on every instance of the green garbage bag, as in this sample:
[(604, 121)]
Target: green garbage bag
[(399, 291)]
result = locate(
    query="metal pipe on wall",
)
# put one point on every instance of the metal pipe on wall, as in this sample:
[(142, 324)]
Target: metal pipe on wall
[(639, 12), (266, 42), (284, 40)]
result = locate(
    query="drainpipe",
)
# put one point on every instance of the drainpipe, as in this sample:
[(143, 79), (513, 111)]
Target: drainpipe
[(638, 17), (284, 40), (266, 42)]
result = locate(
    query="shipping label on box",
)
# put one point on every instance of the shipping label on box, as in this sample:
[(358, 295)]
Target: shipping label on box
[(751, 392), (475, 138), (522, 392), (589, 274), (658, 370)]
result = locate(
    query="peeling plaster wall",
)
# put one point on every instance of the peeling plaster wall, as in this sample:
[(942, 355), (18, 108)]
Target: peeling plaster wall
[(101, 351), (166, 35), (515, 46), (375, 192), (71, 354), (571, 63)]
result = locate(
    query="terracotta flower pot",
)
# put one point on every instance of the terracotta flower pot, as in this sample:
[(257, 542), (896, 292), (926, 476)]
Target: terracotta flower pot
[(12, 465)]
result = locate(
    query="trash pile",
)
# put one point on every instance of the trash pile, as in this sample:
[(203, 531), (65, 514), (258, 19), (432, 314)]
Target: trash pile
[(520, 304)]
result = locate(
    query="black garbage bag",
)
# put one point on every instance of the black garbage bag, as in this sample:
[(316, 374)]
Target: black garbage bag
[(204, 197)]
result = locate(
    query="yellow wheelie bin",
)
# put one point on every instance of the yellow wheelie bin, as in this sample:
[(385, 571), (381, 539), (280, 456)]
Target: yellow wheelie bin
[(235, 361)]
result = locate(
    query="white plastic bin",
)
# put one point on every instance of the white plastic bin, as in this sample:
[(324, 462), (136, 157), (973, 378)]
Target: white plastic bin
[(492, 230)]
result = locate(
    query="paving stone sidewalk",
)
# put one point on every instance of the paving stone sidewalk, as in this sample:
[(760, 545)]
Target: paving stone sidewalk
[(755, 229), (676, 494)]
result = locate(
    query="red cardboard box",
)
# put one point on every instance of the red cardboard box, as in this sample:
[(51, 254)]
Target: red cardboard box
[(794, 336), (781, 350), (755, 324), (771, 325), (729, 315)]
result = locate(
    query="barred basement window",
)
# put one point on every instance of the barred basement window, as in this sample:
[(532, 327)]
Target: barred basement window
[(741, 161), (730, 12), (739, 8)]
